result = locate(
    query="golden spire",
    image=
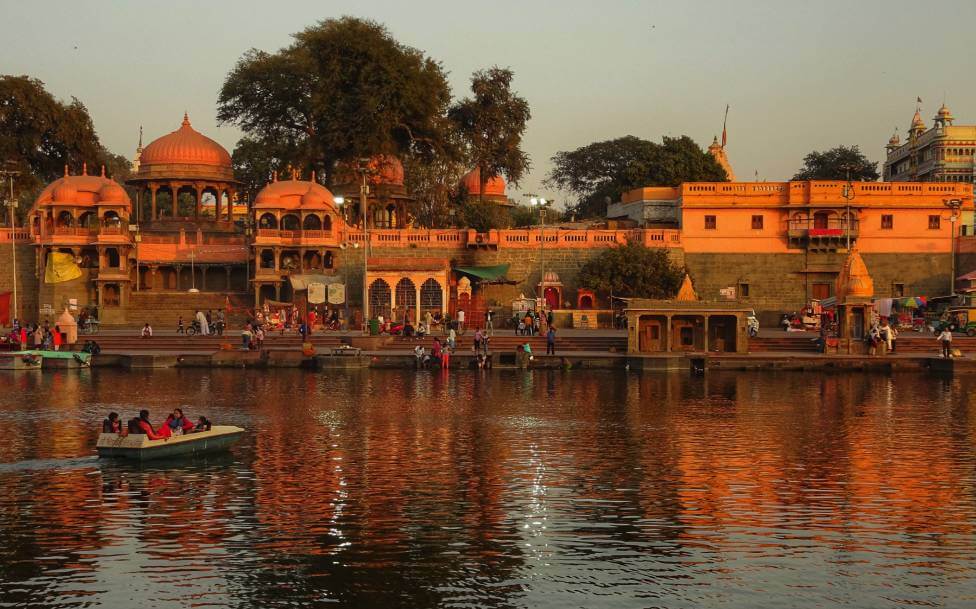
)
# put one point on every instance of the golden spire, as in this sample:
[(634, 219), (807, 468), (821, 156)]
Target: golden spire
[(687, 291)]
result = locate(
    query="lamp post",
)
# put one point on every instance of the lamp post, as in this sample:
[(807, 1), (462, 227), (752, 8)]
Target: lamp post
[(541, 203), (953, 205), (363, 169), (11, 206), (847, 192)]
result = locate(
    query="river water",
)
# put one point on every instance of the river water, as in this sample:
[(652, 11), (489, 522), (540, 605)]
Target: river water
[(505, 489)]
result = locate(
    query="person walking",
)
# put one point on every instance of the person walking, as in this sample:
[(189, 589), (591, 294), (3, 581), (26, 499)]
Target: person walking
[(489, 326), (892, 338), (460, 321), (180, 329), (551, 341), (945, 339)]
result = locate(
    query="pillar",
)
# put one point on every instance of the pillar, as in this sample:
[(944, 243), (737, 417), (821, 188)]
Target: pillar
[(230, 205), (228, 277), (179, 276), (277, 258), (203, 278), (152, 276), (705, 323), (278, 291), (152, 193), (416, 320), (175, 189), (393, 302), (218, 205), (257, 295), (196, 197)]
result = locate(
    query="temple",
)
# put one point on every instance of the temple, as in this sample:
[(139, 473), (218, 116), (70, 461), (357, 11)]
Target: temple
[(944, 152), (185, 240)]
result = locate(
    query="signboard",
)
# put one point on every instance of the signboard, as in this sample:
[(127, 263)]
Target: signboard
[(47, 309), (73, 304), (316, 293), (727, 293), (337, 293)]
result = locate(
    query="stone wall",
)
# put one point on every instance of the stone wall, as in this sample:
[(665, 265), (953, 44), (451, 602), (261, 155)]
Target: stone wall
[(780, 283), (27, 283)]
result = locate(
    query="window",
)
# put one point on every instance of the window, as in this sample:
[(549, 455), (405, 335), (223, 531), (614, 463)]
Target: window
[(710, 222), (887, 221), (935, 221), (898, 290), (757, 222), (744, 288)]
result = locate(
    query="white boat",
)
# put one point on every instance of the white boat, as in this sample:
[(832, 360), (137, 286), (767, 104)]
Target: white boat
[(139, 446)]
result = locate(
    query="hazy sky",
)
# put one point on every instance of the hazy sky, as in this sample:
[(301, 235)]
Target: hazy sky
[(798, 75)]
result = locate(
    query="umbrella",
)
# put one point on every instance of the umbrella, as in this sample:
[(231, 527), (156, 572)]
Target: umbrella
[(907, 303)]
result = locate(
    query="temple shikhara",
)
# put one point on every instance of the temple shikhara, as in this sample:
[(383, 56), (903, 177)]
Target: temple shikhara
[(179, 236)]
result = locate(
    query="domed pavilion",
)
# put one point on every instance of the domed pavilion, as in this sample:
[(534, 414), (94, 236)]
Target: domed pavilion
[(387, 199), (80, 223), (298, 225), (184, 161)]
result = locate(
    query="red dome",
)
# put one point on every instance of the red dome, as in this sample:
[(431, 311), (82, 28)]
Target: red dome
[(495, 187), (294, 194), (185, 146), (83, 191)]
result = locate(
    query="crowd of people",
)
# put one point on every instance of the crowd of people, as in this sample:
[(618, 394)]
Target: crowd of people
[(176, 424), (35, 336)]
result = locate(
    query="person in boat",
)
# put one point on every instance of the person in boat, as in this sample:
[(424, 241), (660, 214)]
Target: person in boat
[(203, 424), (141, 425), (177, 423), (112, 424)]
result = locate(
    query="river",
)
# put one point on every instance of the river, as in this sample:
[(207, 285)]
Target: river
[(501, 489)]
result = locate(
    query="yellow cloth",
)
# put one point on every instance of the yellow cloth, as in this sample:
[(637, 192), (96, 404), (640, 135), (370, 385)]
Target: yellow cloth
[(61, 267)]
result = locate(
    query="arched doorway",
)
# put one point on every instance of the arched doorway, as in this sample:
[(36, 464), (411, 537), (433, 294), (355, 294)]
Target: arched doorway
[(290, 222), (268, 221), (431, 297), (379, 299), (821, 220), (406, 299)]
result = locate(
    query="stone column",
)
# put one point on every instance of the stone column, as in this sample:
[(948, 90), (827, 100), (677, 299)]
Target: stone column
[(152, 193), (277, 258), (705, 324), (218, 205), (228, 277), (179, 276), (257, 295), (230, 205), (175, 189), (416, 321), (196, 196), (278, 291), (393, 302), (152, 276)]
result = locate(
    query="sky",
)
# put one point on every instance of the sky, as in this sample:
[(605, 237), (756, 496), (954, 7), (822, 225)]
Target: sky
[(798, 75)]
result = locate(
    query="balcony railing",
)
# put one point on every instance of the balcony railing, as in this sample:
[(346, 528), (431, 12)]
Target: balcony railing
[(815, 228)]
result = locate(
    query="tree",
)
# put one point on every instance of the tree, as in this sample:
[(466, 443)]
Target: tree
[(343, 90), (432, 180), (40, 134), (632, 270), (837, 164), (492, 123), (255, 162), (602, 171)]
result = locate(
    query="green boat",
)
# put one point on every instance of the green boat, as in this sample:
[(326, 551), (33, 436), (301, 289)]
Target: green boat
[(20, 360), (140, 447), (57, 359)]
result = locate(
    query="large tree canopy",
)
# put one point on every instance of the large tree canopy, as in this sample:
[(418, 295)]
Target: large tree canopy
[(838, 164), (603, 171), (632, 270), (344, 89), (492, 123), (39, 135)]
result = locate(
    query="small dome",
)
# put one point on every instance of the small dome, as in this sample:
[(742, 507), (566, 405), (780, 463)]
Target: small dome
[(471, 182), (895, 139), (83, 191), (551, 277), (854, 279), (64, 191), (111, 192), (294, 194), (185, 146), (944, 112)]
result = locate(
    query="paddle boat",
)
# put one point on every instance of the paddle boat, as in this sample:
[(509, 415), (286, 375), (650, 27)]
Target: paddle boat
[(71, 360), (20, 360), (140, 447)]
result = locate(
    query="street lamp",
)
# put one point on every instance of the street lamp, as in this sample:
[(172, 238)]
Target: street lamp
[(847, 193), (541, 203), (953, 205), (11, 206)]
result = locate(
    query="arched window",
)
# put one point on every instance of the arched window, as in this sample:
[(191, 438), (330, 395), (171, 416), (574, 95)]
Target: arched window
[(327, 223), (312, 222), (379, 299), (431, 297), (65, 220), (268, 221), (88, 220), (290, 222), (406, 298)]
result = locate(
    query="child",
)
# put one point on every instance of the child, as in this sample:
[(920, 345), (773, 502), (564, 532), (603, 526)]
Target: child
[(203, 424)]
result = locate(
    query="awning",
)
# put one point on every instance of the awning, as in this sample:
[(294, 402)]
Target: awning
[(300, 282), (485, 273)]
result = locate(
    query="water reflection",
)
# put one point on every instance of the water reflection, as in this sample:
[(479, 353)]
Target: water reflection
[(546, 489)]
